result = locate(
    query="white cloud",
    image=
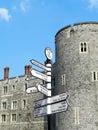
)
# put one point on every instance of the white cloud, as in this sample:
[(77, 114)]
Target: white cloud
[(93, 4), (25, 5), (4, 14)]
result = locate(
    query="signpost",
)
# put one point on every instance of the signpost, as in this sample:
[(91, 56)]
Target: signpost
[(50, 105), (50, 100), (39, 88), (51, 109), (40, 111), (40, 75), (40, 65), (58, 107), (32, 90), (44, 90)]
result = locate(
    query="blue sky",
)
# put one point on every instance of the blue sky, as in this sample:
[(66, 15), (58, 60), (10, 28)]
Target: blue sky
[(27, 27)]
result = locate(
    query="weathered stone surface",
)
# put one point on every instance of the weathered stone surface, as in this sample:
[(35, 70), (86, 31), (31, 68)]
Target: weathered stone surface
[(78, 68), (24, 108)]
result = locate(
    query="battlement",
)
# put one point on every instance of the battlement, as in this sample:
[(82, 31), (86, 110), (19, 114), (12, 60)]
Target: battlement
[(67, 31)]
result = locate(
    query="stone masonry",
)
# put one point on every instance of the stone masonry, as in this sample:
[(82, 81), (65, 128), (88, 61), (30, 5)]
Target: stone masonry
[(76, 72), (16, 106)]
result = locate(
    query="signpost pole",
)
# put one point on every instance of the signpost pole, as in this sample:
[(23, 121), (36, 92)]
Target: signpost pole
[(49, 105), (48, 63)]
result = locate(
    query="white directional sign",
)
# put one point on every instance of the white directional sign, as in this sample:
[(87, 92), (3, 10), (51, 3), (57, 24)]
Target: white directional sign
[(32, 90), (40, 111), (40, 103), (50, 100), (58, 107), (41, 75), (44, 90), (40, 65), (51, 109)]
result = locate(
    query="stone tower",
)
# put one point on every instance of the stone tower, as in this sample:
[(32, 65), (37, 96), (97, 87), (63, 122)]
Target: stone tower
[(76, 72)]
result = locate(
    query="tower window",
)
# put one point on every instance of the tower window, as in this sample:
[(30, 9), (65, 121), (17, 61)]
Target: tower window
[(63, 79), (24, 103), (83, 47), (94, 76), (76, 112)]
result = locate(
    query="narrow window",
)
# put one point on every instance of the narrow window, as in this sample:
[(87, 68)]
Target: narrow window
[(24, 103), (5, 89), (63, 79), (76, 112), (13, 87), (14, 105), (4, 118), (14, 117), (83, 47), (94, 76), (25, 87), (4, 105)]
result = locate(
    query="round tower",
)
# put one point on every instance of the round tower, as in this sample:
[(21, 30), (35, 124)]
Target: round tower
[(76, 72)]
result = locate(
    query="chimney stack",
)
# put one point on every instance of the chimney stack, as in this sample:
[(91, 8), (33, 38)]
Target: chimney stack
[(6, 72), (27, 69)]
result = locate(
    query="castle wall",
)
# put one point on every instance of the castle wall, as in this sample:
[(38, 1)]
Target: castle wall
[(77, 68), (16, 106)]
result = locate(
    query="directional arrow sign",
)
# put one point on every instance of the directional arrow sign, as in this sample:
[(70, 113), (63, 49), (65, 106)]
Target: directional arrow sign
[(44, 90), (57, 107), (41, 75), (40, 111), (32, 90), (40, 65), (51, 109), (50, 100)]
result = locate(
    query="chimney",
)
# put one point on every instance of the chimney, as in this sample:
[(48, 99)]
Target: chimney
[(6, 72), (27, 69)]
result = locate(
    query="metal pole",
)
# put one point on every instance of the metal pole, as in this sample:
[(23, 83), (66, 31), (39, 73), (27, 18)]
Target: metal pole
[(48, 63)]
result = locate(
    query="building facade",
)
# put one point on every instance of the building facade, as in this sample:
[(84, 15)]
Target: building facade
[(16, 106), (76, 72)]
